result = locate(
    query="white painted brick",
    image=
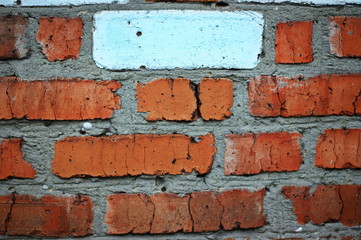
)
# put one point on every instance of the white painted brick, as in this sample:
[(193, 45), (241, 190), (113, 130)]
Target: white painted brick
[(29, 3), (177, 39), (307, 2)]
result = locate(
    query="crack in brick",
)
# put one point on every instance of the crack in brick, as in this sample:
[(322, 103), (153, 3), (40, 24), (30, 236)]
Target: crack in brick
[(8, 216)]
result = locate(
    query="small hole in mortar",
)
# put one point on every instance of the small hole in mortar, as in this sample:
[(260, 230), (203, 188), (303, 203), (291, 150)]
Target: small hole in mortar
[(139, 33), (163, 189)]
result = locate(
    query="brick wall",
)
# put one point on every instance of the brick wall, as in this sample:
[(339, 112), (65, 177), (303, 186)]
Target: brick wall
[(180, 120)]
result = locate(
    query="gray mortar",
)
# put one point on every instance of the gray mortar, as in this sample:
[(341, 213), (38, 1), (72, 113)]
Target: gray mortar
[(40, 136)]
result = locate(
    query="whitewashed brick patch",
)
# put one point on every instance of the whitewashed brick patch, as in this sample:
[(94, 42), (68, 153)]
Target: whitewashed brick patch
[(29, 3), (170, 39)]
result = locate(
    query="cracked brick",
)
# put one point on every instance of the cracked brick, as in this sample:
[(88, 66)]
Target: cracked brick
[(58, 99), (12, 163), (328, 203), (338, 149), (345, 36), (60, 38), (180, 100), (122, 155), (251, 153), (13, 38), (195, 212), (167, 99), (322, 95), (294, 42), (24, 215)]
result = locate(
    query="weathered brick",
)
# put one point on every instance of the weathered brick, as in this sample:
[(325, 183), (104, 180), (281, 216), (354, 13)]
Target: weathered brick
[(12, 163), (242, 209), (24, 215), (167, 99), (137, 154), (294, 42), (61, 38), (206, 211), (216, 98), (62, 99), (329, 203), (129, 213), (251, 153), (345, 36), (196, 212), (171, 213), (318, 96), (338, 148), (13, 37)]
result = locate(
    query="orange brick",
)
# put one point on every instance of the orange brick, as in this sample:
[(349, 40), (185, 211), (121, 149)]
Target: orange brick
[(167, 99), (61, 38), (129, 213), (12, 163), (345, 36), (294, 42), (13, 37), (196, 212), (137, 154), (251, 153), (69, 99), (24, 215), (329, 203), (216, 98), (318, 96), (338, 148)]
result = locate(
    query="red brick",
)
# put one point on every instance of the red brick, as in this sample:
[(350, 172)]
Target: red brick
[(329, 203), (60, 37), (61, 99), (251, 153), (24, 215), (12, 163), (294, 42), (341, 238), (242, 209), (196, 212), (345, 36), (216, 98), (137, 154), (129, 213), (171, 213), (13, 38), (338, 148), (167, 99), (318, 96), (206, 211)]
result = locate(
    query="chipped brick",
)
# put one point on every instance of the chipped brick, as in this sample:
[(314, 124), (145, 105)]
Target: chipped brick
[(12, 163), (61, 38), (329, 203), (14, 43), (318, 96), (251, 153), (61, 99), (338, 148), (137, 154)]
